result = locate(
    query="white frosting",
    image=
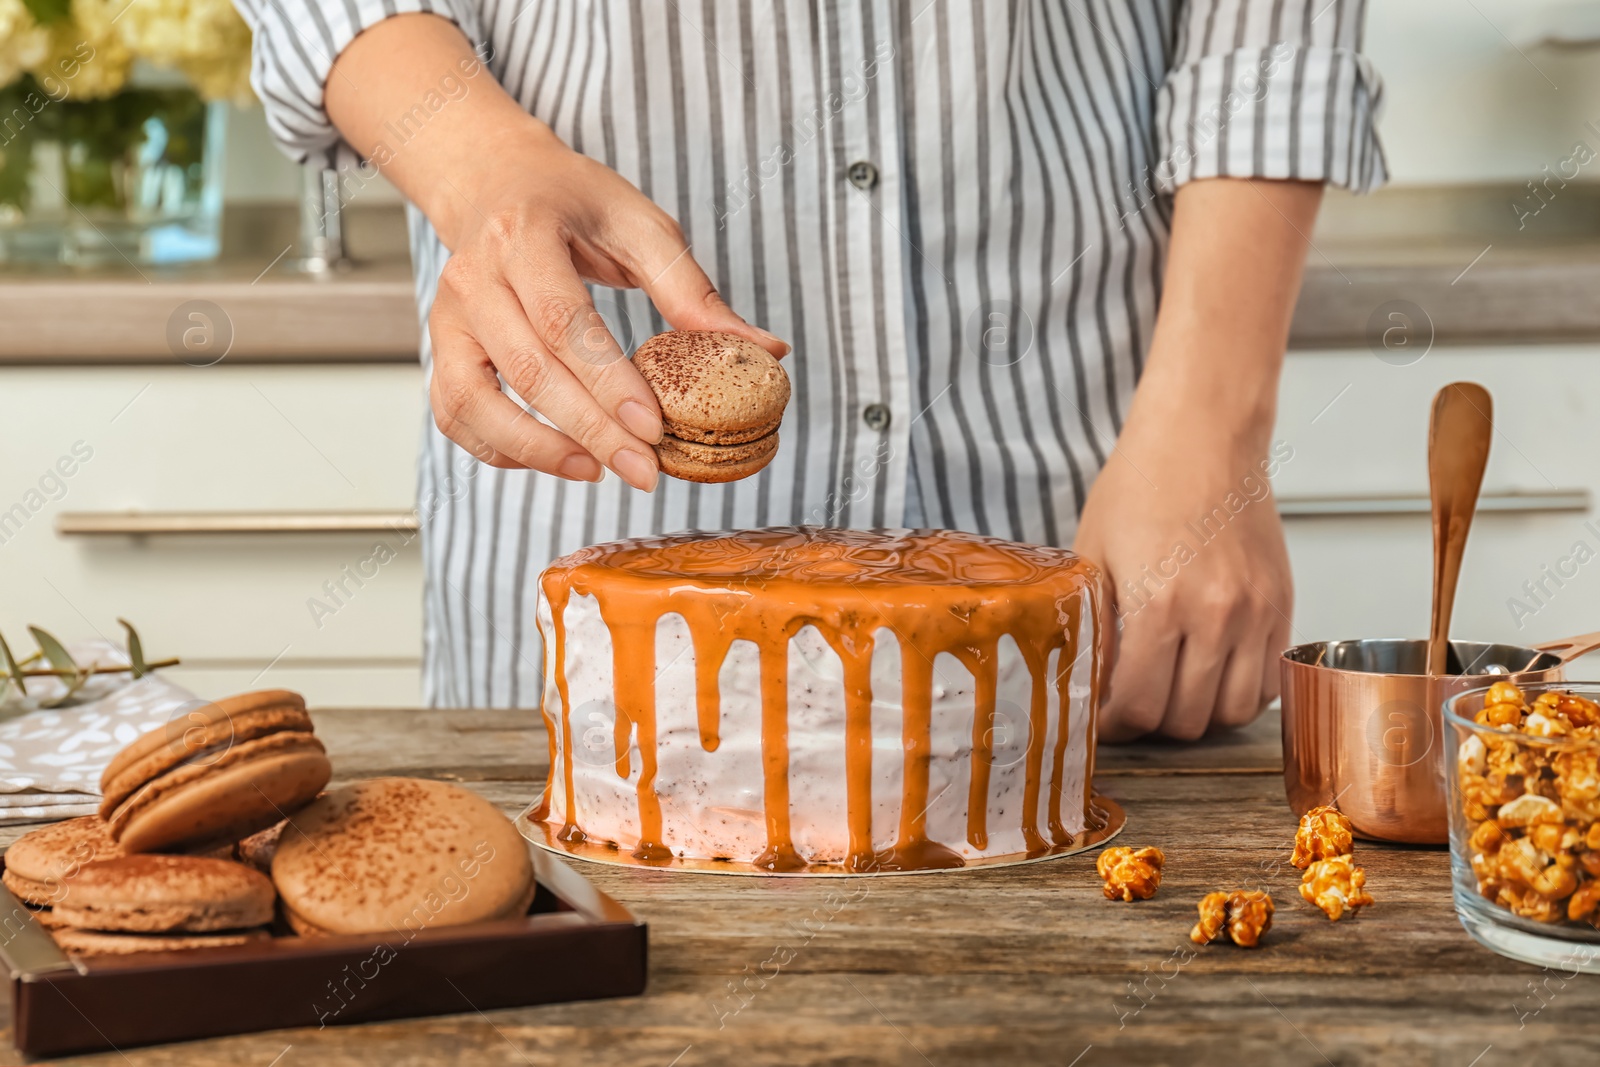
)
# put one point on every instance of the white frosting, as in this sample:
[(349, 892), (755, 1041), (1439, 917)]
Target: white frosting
[(712, 802)]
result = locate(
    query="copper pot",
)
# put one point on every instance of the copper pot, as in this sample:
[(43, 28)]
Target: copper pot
[(1361, 725)]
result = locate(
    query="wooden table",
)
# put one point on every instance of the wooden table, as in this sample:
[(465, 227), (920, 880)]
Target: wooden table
[(1026, 964)]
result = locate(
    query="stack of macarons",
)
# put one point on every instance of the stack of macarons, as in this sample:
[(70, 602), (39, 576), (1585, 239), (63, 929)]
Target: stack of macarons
[(722, 398), (217, 832)]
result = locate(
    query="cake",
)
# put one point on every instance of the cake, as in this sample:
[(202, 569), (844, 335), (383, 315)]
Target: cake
[(815, 699)]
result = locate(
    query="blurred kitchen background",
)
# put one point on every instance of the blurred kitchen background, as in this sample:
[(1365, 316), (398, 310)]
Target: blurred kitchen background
[(223, 452)]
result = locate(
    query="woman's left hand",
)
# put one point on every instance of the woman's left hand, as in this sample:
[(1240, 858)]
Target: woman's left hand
[(1185, 528)]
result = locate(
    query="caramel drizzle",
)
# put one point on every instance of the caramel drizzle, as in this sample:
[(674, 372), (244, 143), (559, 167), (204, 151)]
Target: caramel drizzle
[(936, 592)]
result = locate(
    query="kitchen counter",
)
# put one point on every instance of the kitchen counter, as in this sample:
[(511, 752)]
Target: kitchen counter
[(1453, 253), (1026, 964)]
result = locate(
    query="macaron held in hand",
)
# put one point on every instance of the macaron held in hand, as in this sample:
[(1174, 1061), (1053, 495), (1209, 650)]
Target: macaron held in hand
[(722, 398)]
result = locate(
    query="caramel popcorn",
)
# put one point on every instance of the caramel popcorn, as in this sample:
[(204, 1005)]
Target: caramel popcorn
[(1245, 916), (1130, 874), (1213, 917), (1336, 885), (1249, 917), (1324, 832), (1533, 807)]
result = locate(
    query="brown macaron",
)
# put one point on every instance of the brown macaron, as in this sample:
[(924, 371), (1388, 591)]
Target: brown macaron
[(400, 855), (165, 895), (41, 862), (220, 772), (722, 398), (75, 942)]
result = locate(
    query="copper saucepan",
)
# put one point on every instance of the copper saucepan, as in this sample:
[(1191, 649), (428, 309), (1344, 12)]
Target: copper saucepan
[(1361, 725)]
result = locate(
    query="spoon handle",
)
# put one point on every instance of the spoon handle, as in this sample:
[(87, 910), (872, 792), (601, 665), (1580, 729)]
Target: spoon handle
[(1459, 433)]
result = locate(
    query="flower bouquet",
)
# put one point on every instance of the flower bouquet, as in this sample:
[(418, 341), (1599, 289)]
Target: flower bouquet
[(112, 120)]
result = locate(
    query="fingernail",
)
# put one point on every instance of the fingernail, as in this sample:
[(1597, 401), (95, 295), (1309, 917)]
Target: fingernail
[(636, 469), (773, 341), (580, 468), (640, 421)]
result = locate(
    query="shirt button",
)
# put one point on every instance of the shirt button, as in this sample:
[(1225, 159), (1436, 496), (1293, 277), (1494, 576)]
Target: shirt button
[(876, 416), (862, 175)]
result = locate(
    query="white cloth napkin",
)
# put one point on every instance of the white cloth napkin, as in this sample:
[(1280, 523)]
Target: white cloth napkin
[(51, 759)]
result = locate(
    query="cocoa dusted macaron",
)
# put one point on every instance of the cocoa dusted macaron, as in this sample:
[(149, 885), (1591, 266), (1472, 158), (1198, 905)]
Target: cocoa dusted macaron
[(400, 854), (722, 398), (150, 903), (42, 863), (219, 773)]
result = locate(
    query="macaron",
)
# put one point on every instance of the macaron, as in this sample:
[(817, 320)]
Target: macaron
[(77, 942), (220, 772), (153, 894), (400, 855), (41, 863), (722, 398), (161, 904)]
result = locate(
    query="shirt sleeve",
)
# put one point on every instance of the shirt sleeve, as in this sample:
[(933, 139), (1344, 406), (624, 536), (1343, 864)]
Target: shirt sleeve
[(294, 45), (1270, 89)]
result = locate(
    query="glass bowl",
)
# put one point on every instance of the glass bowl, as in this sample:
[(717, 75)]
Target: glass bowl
[(1523, 768)]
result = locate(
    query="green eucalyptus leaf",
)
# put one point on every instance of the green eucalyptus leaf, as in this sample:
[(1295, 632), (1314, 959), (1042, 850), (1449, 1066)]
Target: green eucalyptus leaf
[(58, 656), (135, 650), (8, 666)]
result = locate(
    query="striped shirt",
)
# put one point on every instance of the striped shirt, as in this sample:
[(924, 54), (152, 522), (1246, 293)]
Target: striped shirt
[(956, 211)]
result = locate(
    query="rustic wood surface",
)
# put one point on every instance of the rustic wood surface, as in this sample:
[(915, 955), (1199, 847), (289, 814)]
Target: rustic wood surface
[(1026, 964)]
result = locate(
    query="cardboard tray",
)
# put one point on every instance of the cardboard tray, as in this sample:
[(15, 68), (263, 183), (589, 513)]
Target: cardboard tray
[(575, 943)]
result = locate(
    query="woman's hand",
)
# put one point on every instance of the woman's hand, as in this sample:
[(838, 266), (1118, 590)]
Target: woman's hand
[(512, 306), (1185, 527), (1182, 518), (528, 222)]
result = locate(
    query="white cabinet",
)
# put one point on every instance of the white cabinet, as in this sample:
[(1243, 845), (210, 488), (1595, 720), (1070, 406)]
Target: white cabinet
[(1358, 427), (239, 609), (286, 441)]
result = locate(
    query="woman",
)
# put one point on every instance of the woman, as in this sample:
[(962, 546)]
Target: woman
[(1036, 260)]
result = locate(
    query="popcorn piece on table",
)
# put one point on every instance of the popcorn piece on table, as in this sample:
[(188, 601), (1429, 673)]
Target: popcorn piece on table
[(1324, 832), (1249, 917), (1244, 915), (1336, 885), (1213, 917), (1130, 874)]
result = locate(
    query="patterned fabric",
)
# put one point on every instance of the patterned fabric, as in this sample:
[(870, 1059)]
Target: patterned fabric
[(51, 759), (989, 283)]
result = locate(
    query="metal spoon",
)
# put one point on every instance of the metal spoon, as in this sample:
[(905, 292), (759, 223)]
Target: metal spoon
[(1458, 450)]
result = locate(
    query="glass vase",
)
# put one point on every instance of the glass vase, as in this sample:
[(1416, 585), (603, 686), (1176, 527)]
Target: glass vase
[(135, 177)]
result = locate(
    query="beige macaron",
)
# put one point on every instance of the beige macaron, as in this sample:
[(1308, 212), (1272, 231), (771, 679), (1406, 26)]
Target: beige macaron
[(722, 398), (166, 894), (221, 772), (42, 862), (77, 942), (399, 856)]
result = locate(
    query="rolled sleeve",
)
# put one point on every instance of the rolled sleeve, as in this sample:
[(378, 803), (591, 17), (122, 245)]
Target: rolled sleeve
[(295, 43), (1270, 89)]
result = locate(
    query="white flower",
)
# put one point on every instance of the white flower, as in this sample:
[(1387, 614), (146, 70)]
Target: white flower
[(23, 42)]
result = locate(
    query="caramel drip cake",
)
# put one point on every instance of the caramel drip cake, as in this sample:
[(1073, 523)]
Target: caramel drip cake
[(808, 698)]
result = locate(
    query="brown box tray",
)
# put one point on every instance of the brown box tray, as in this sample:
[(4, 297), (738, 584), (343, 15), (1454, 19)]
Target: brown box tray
[(575, 943)]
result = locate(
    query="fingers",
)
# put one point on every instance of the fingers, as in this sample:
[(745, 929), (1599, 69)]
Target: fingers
[(665, 268), (1239, 698), (470, 409), (526, 360), (1141, 677), (1272, 665), (1195, 685), (563, 317)]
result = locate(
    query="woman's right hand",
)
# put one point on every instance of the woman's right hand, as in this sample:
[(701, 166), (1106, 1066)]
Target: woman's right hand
[(512, 306), (528, 221)]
